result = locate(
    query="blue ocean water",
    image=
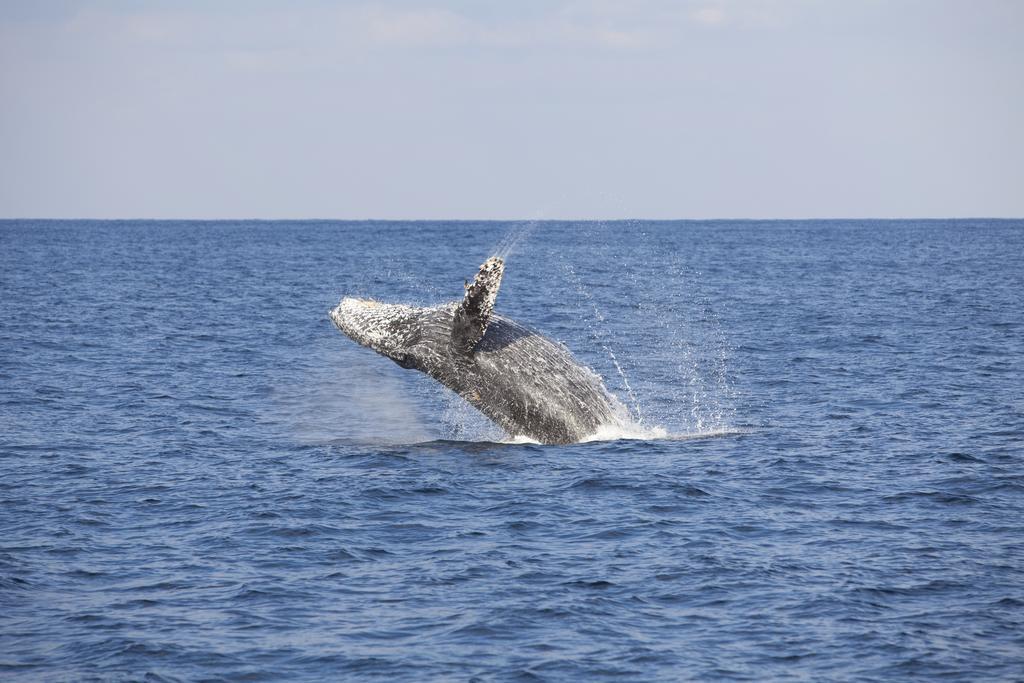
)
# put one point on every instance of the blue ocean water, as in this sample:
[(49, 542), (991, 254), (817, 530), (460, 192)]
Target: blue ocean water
[(202, 479)]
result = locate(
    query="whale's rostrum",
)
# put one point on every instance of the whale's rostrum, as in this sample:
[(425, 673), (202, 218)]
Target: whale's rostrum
[(529, 385)]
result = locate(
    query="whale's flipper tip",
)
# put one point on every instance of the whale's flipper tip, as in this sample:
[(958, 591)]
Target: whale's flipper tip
[(473, 314)]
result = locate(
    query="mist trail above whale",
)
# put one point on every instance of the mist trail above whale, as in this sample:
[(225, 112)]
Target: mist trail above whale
[(529, 385)]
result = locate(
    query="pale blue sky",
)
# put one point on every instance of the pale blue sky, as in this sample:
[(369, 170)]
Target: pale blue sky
[(462, 109)]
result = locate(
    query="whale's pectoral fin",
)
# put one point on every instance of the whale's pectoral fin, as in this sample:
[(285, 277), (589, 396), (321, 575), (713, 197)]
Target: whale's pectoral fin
[(473, 314)]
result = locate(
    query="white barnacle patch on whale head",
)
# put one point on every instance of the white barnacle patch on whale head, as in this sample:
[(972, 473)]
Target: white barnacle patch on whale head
[(388, 329)]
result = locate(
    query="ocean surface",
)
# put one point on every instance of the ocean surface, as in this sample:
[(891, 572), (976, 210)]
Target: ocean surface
[(202, 479)]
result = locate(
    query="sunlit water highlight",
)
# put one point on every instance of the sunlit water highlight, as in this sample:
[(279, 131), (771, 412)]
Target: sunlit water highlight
[(204, 480)]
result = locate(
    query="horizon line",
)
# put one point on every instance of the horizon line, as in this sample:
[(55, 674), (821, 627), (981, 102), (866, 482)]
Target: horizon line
[(512, 220)]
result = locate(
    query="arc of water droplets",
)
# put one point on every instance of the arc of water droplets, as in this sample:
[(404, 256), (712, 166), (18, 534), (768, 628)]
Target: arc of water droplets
[(600, 337), (512, 240)]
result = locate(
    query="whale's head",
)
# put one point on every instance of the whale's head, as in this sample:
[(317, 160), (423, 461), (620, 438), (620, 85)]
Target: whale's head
[(391, 330), (412, 336)]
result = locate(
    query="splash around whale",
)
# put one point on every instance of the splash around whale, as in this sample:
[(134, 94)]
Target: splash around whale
[(529, 385)]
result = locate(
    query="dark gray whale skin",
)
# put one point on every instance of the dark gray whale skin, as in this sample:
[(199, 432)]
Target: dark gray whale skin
[(527, 384)]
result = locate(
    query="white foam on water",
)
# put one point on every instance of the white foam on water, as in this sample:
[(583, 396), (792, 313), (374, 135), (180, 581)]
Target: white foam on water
[(639, 432), (520, 440), (634, 431)]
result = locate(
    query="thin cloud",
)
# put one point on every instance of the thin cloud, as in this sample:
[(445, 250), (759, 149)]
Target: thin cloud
[(417, 28), (709, 16), (444, 28)]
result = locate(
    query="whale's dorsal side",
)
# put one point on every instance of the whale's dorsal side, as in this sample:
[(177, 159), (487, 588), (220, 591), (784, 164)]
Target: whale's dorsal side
[(469, 322)]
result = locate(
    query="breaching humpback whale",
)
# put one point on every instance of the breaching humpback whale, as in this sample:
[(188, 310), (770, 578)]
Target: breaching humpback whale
[(527, 384)]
